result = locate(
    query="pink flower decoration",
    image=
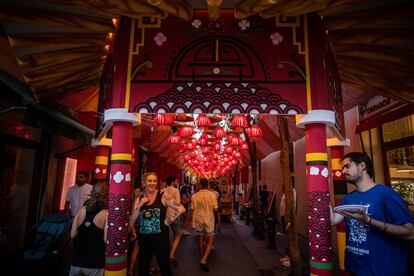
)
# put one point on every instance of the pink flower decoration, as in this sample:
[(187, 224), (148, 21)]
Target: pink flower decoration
[(276, 38), (160, 38), (196, 23)]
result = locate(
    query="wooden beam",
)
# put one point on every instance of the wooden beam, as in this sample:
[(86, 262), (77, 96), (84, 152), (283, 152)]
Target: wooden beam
[(366, 84), (251, 7), (76, 64), (385, 38), (177, 8), (55, 18), (299, 7), (381, 70), (113, 8), (213, 8), (59, 57), (60, 81), (290, 214), (56, 75), (389, 57), (58, 40), (62, 91), (392, 18)]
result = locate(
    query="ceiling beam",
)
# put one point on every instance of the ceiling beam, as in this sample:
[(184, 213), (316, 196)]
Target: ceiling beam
[(174, 7), (299, 7), (114, 8), (251, 7), (60, 56), (54, 18), (58, 40), (213, 8)]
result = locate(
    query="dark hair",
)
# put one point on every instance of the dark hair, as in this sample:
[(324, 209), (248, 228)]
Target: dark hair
[(358, 158), (99, 197), (170, 180), (204, 182), (85, 173)]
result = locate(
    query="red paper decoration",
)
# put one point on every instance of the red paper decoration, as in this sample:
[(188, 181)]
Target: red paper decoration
[(186, 131), (239, 122), (174, 139), (203, 120), (219, 132), (256, 132)]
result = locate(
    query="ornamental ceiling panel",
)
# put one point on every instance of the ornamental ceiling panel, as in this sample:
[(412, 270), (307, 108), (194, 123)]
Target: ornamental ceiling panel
[(227, 66)]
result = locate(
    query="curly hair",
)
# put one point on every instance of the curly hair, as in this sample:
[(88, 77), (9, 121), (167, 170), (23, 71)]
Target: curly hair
[(99, 197)]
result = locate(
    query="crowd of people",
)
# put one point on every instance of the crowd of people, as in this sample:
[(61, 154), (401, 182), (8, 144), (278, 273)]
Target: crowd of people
[(375, 234), (155, 212)]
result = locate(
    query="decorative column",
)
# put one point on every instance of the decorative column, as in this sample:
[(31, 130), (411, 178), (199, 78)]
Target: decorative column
[(101, 160), (320, 242), (340, 189), (119, 189)]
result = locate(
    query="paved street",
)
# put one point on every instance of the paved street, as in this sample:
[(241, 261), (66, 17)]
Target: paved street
[(230, 256)]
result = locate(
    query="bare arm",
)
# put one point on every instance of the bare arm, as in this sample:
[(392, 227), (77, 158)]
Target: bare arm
[(405, 231), (138, 203), (67, 209), (106, 226), (335, 217), (80, 216)]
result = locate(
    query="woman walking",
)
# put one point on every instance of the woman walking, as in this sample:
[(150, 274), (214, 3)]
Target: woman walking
[(89, 235)]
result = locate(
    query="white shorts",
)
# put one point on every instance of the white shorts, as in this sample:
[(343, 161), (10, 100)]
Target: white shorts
[(203, 228)]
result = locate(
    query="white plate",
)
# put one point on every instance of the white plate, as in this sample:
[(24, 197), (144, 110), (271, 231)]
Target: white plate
[(353, 208)]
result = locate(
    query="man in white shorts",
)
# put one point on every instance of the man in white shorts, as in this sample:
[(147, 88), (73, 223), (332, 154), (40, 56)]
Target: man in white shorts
[(203, 206)]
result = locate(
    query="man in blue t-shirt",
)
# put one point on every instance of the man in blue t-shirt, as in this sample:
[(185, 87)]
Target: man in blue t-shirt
[(376, 232)]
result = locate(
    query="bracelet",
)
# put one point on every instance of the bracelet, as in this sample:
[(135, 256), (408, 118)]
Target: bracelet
[(385, 227), (369, 221)]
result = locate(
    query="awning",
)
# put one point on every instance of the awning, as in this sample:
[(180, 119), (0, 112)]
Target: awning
[(40, 117)]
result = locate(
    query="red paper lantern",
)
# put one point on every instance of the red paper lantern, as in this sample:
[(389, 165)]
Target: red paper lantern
[(174, 139), (239, 122), (244, 146), (219, 132), (203, 120), (233, 140), (186, 131), (203, 140), (256, 132), (217, 146)]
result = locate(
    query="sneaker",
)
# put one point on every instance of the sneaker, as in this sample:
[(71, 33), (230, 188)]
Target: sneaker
[(286, 263)]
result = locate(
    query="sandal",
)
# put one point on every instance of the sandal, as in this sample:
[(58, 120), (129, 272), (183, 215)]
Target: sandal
[(173, 262)]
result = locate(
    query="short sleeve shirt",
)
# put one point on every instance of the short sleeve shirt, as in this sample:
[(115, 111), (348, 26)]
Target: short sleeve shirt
[(368, 250), (203, 203), (175, 194), (77, 195)]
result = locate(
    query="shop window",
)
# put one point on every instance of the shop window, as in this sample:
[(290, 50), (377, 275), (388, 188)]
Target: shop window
[(398, 129)]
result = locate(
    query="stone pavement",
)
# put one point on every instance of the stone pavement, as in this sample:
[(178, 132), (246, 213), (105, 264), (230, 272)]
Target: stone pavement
[(268, 260), (236, 252)]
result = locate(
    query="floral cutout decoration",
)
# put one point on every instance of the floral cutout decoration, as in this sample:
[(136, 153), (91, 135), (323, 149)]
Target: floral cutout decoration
[(160, 38), (276, 38), (118, 177), (196, 23), (244, 24)]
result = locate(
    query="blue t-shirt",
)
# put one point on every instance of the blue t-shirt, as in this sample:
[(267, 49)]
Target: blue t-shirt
[(370, 251)]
